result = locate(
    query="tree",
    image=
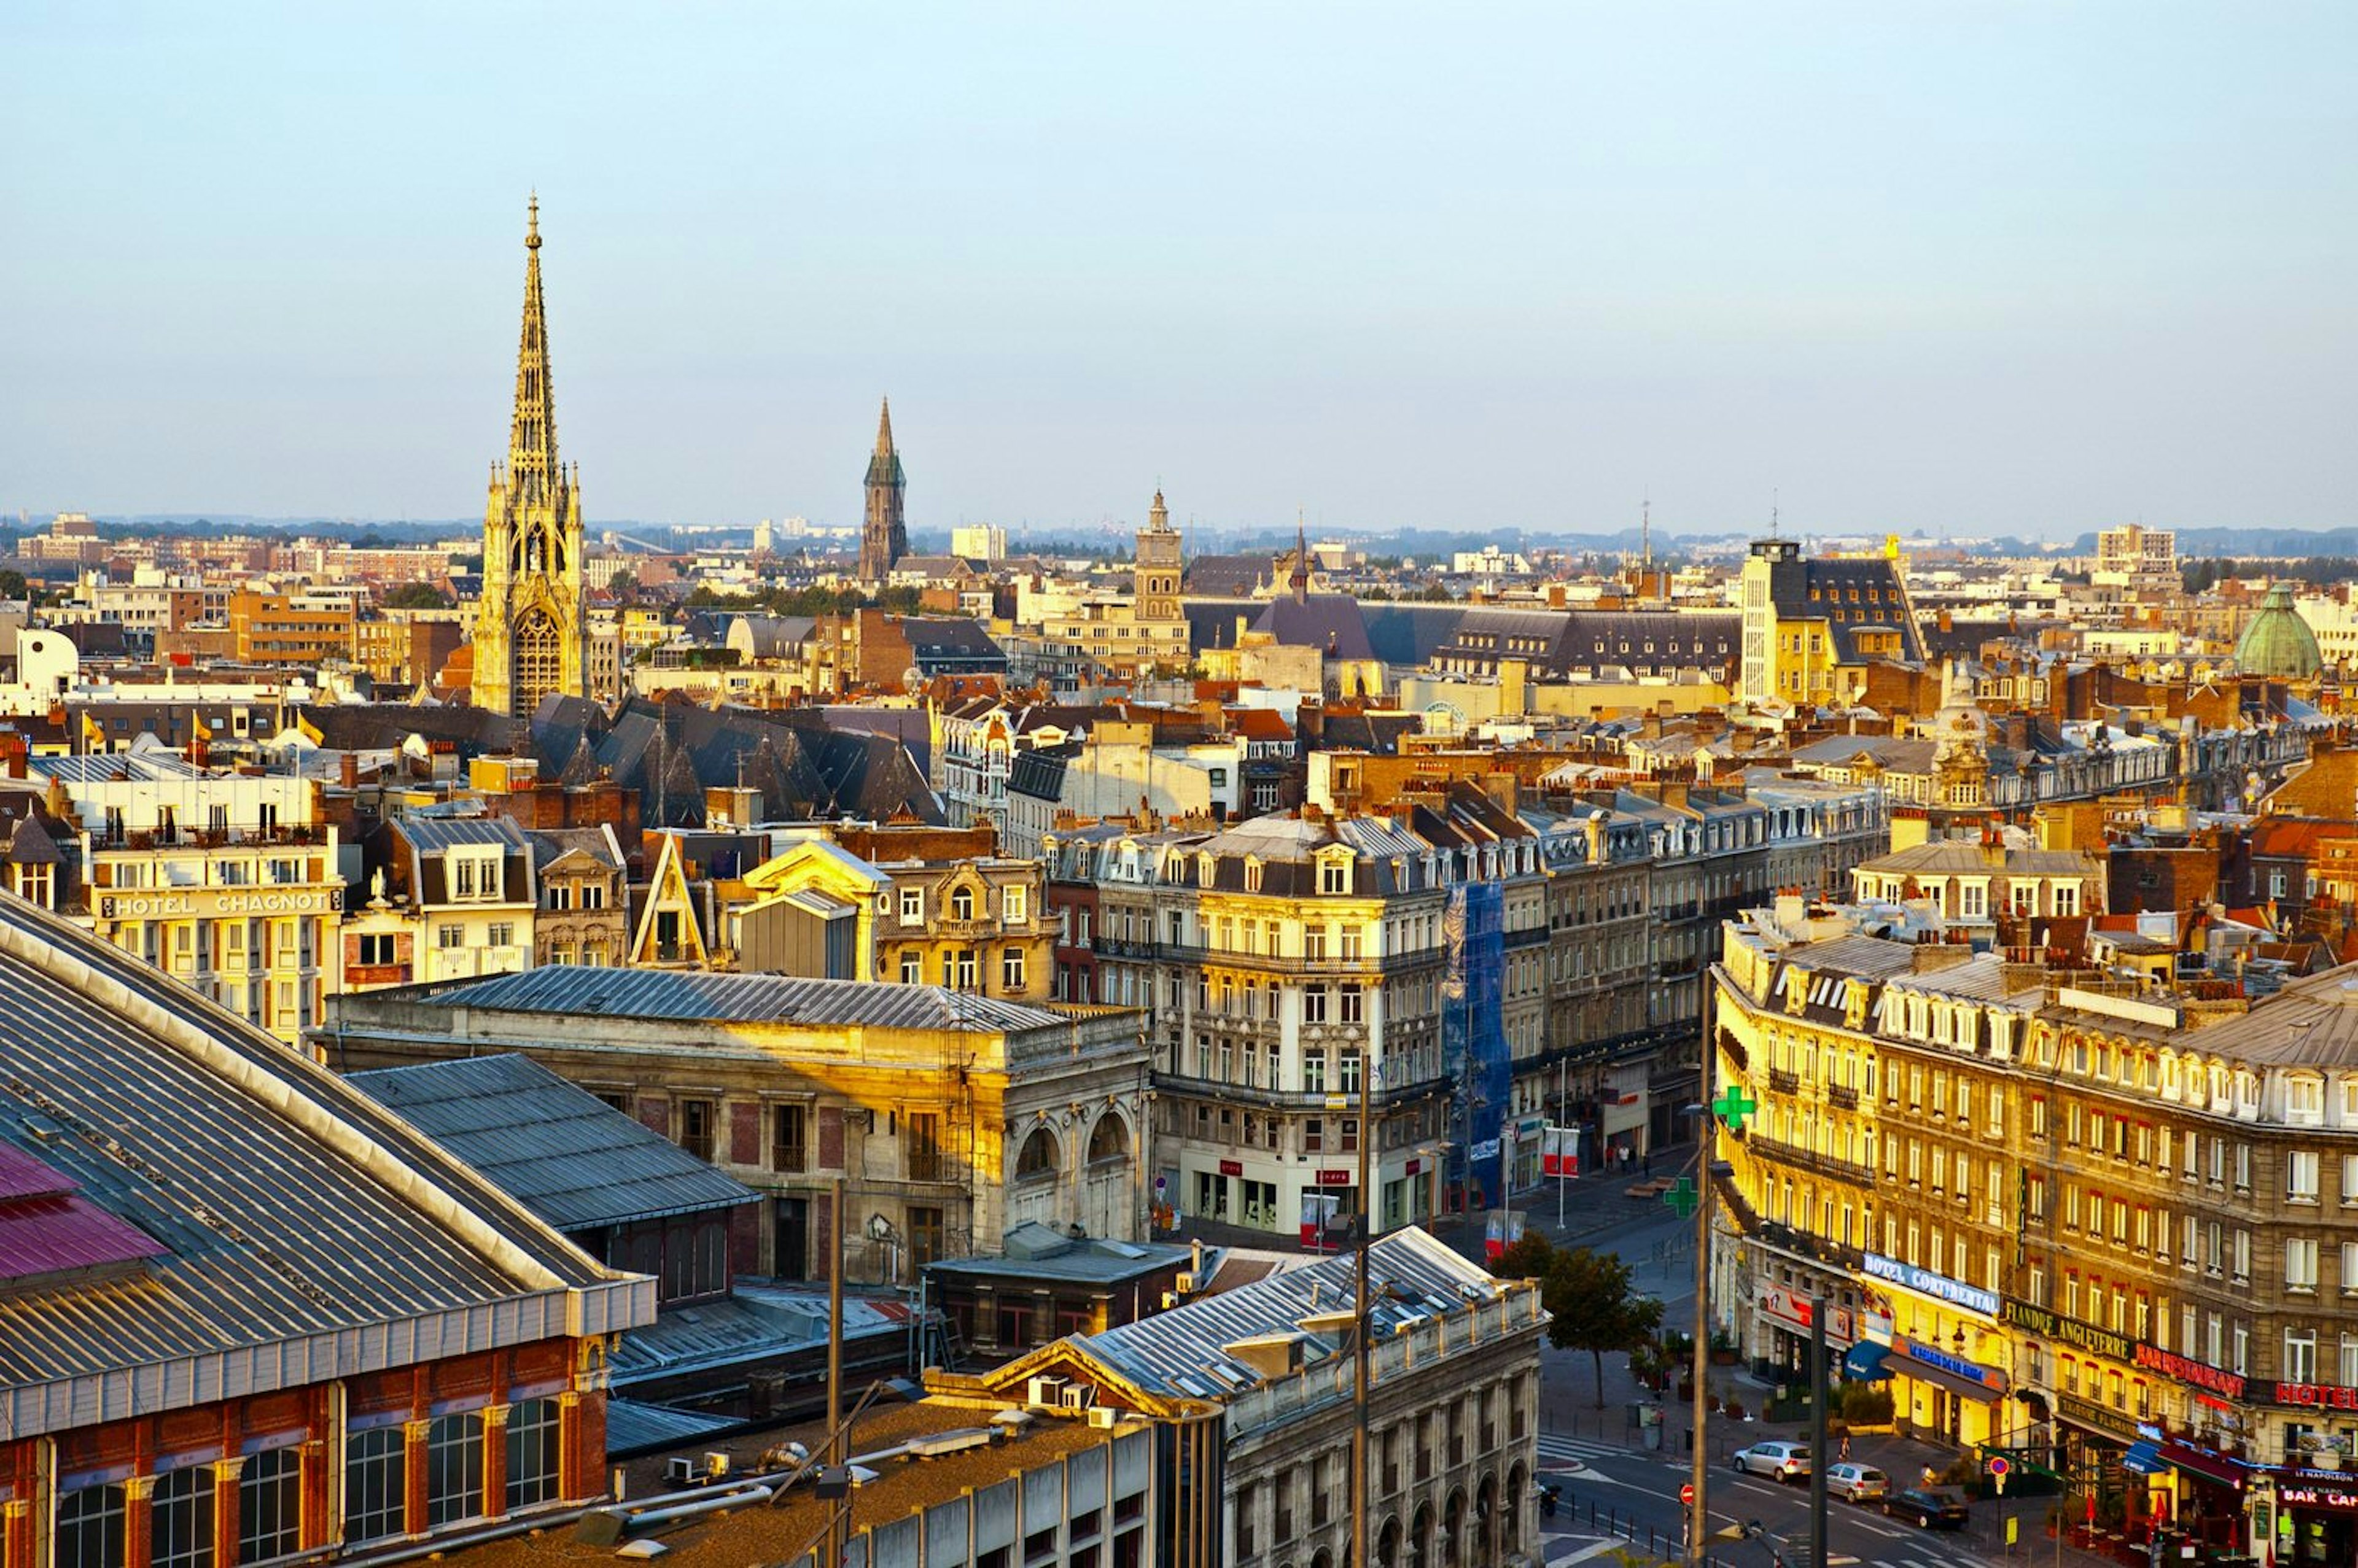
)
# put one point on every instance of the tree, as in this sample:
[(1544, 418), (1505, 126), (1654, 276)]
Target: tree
[(12, 584), (1591, 1299), (418, 596)]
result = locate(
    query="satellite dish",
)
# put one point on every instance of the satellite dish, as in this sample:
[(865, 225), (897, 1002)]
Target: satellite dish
[(912, 680)]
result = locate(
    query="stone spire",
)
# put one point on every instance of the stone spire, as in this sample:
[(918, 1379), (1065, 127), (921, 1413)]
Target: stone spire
[(884, 534), (532, 435), (1300, 580)]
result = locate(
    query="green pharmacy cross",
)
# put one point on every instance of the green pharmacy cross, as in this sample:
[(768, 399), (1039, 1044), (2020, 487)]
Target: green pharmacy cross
[(1682, 1197), (1734, 1108)]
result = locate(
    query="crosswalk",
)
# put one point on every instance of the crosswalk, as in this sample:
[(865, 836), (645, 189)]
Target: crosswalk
[(1557, 1447)]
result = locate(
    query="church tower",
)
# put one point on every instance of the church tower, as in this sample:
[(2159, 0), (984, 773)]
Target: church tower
[(529, 625), (884, 536), (1162, 626)]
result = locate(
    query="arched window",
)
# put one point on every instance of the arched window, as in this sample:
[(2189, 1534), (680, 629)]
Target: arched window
[(962, 904), (540, 659), (1108, 1139), (1038, 1157)]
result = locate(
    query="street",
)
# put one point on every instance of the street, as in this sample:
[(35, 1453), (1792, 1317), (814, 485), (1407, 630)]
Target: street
[(1618, 1493)]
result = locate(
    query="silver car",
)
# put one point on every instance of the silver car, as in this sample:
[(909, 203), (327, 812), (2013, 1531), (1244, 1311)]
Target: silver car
[(1781, 1461), (1858, 1483)]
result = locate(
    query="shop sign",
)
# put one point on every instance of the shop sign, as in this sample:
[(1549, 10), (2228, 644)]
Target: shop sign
[(2305, 1495), (2170, 1365), (1416, 1167), (1232, 1167), (2093, 1416), (1334, 1178), (1955, 1365), (2071, 1331), (1793, 1307), (2317, 1396), (1939, 1287)]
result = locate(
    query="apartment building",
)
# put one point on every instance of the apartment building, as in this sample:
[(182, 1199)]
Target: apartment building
[(2112, 1226), (449, 897)]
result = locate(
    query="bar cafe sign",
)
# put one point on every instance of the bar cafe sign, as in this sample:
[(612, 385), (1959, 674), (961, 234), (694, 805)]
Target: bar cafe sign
[(214, 903), (1939, 1287), (1793, 1309)]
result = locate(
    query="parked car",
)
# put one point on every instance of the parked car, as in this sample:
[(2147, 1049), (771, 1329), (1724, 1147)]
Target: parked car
[(1781, 1461), (1858, 1483), (1933, 1508)]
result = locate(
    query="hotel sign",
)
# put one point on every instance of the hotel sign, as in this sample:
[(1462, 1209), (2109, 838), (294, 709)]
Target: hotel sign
[(2317, 1396), (1939, 1287), (213, 904)]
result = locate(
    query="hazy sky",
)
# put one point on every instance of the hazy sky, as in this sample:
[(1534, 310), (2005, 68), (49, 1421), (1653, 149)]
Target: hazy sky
[(1958, 266)]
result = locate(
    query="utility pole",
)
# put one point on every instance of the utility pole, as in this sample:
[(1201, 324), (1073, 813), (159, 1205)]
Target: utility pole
[(838, 1452), (1359, 1335), (1818, 1432), (1698, 1514)]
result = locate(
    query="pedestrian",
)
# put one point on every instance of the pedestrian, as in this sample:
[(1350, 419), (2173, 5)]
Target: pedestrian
[(1649, 1163), (1846, 1448), (1929, 1478)]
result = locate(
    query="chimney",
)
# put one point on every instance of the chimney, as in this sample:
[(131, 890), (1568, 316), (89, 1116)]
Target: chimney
[(348, 769)]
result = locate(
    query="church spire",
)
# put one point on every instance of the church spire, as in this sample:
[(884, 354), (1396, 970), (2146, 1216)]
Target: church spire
[(884, 534), (1300, 580), (532, 436), (884, 430)]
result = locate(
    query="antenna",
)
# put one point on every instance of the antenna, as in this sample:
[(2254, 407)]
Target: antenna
[(1646, 532), (1772, 513)]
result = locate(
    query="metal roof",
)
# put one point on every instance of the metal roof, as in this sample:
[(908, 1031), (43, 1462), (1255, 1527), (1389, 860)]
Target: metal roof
[(309, 1233), (577, 990), (567, 1155), (1410, 1276), (430, 835)]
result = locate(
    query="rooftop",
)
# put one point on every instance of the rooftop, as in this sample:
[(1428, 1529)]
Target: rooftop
[(575, 990)]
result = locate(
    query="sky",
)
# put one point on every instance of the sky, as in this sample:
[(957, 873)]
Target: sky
[(1950, 265)]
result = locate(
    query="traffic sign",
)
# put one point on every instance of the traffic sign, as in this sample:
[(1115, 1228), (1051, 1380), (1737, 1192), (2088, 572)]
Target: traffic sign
[(1686, 1494), (1998, 1465)]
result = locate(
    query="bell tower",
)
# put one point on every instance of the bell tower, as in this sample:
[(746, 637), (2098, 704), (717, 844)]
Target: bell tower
[(530, 639), (884, 534)]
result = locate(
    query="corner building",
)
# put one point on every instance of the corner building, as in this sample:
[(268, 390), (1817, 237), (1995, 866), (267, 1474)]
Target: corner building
[(2113, 1231)]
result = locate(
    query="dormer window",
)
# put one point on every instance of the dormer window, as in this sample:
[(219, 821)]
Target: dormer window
[(962, 904), (1252, 872), (1334, 876)]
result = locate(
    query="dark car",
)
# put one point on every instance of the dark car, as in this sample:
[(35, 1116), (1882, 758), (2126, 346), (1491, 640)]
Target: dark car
[(1933, 1508)]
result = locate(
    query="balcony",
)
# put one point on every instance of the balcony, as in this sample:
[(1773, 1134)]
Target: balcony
[(1842, 1096), (1783, 1082), (1793, 1154), (1835, 1254), (1254, 1097), (1732, 1049)]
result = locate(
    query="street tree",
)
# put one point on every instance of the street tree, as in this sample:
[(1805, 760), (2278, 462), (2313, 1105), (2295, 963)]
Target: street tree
[(1592, 1300)]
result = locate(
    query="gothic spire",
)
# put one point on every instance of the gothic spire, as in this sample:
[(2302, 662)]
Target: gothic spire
[(1300, 581), (884, 430), (531, 438)]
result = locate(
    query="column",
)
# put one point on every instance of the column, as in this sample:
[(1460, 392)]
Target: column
[(495, 1461), (226, 1502), (138, 1518), (412, 1474)]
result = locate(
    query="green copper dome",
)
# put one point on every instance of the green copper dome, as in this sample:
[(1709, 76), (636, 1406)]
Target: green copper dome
[(2278, 643)]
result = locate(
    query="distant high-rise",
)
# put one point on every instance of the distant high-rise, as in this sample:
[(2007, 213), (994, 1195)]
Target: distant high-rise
[(529, 625), (884, 536)]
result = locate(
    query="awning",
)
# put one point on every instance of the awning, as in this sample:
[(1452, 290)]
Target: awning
[(2146, 1459), (1925, 1372), (1863, 1362)]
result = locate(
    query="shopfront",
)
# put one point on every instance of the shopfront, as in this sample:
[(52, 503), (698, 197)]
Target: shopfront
[(2316, 1519), (1783, 1315), (1945, 1345)]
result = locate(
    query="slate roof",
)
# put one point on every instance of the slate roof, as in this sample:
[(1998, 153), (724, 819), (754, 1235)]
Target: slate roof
[(1181, 1353), (1327, 622), (1227, 577), (381, 726), (231, 1151), (575, 990), (951, 642), (561, 1152)]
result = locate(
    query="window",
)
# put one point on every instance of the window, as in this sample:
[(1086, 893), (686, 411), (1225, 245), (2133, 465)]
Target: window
[(1313, 1004), (182, 1518), (560, 895), (2300, 1356), (376, 1484), (962, 904), (377, 948), (2350, 1271), (1334, 876), (532, 1450), (912, 969), (2348, 1181), (450, 937), (912, 906), (2300, 1176), (923, 1146), (789, 1138), (2301, 1265), (1354, 1003), (454, 1468), (501, 933), (696, 1120), (1014, 905), (270, 1505), (2305, 1102), (89, 1528), (1010, 969), (593, 895)]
